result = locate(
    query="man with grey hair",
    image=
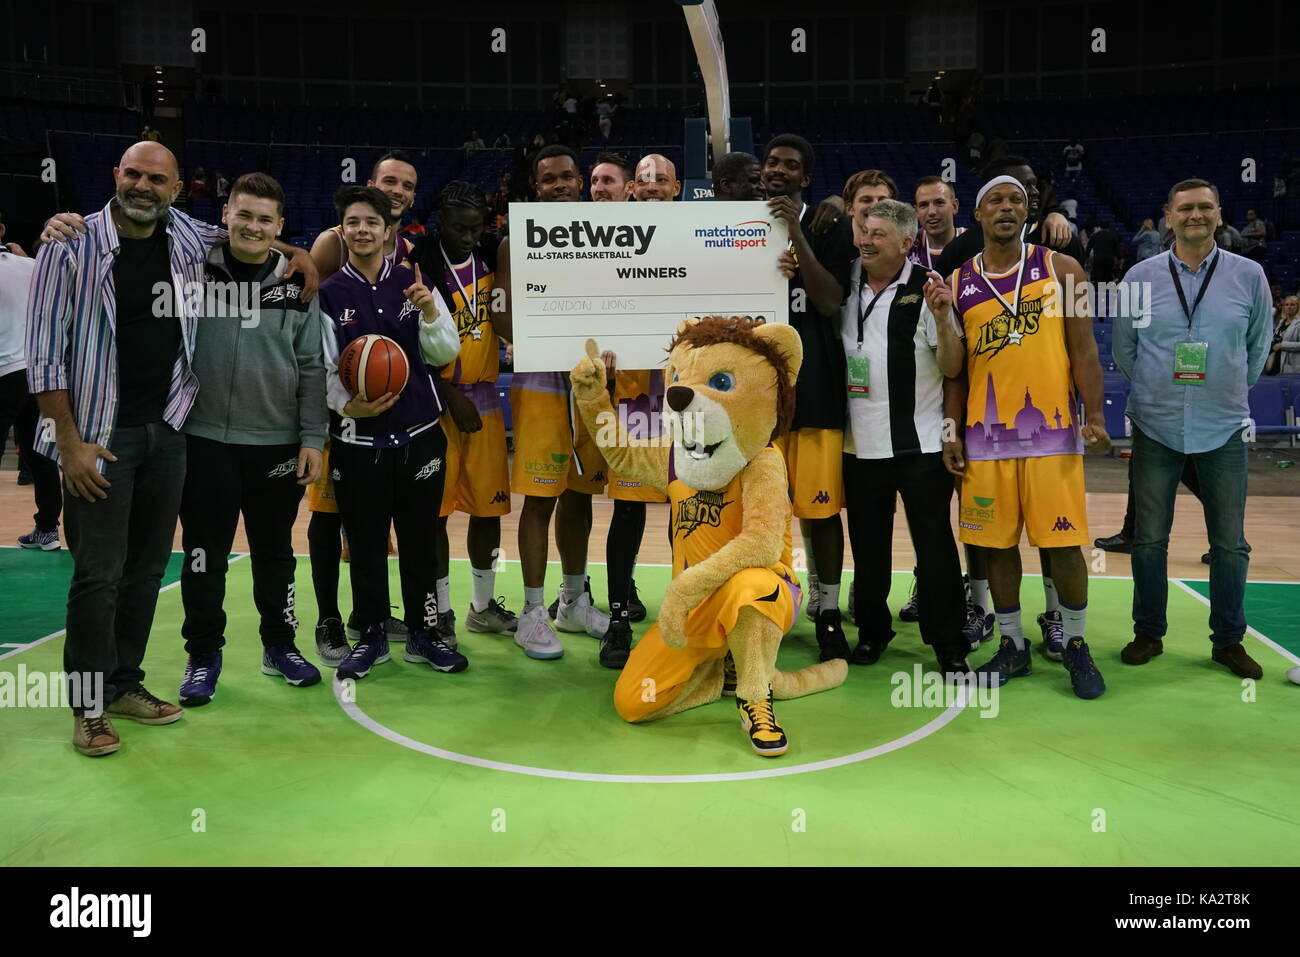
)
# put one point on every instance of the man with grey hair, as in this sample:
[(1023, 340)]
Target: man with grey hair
[(110, 341), (899, 344)]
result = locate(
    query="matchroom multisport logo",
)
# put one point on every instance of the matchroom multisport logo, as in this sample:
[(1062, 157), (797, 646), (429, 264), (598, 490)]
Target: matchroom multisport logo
[(77, 910), (751, 234)]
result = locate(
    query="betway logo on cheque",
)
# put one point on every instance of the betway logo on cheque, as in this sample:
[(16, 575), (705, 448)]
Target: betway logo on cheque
[(747, 235), (581, 239)]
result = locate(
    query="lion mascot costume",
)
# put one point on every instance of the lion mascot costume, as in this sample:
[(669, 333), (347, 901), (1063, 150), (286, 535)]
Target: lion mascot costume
[(729, 391)]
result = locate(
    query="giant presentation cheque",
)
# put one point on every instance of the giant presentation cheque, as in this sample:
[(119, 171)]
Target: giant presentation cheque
[(625, 274)]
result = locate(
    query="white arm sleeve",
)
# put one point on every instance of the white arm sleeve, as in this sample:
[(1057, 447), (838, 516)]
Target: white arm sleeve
[(439, 341)]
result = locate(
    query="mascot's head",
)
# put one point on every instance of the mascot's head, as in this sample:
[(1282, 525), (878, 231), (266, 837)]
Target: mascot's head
[(729, 390)]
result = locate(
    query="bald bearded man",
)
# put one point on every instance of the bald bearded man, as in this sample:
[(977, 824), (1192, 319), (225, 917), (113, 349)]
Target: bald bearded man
[(655, 180)]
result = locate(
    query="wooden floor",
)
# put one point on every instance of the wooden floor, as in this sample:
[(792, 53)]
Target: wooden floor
[(1272, 528)]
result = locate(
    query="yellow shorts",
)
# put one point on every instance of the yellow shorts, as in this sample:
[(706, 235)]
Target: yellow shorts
[(656, 674), (320, 493), (814, 462), (548, 448), (478, 472), (1044, 495), (633, 393)]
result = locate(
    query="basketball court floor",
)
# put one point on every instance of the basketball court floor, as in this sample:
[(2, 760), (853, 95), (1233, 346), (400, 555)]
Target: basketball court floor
[(518, 761)]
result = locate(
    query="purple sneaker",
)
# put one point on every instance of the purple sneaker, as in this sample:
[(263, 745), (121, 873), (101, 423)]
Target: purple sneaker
[(199, 686), (45, 541), (371, 650), (423, 645), (284, 660)]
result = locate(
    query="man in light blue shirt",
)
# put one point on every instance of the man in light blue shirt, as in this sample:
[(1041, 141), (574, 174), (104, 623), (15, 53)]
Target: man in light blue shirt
[(1193, 342)]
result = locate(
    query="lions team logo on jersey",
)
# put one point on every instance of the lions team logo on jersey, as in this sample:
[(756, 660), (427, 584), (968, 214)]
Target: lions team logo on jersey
[(288, 467), (469, 325), (702, 508), (1003, 330), (408, 307)]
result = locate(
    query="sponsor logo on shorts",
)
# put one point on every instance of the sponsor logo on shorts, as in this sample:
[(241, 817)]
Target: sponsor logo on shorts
[(558, 464), (622, 484), (429, 468), (974, 528), (982, 510), (822, 498), (1063, 524), (500, 497), (542, 481), (289, 467)]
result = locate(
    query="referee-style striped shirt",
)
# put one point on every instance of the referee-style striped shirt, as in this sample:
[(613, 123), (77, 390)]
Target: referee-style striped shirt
[(72, 323)]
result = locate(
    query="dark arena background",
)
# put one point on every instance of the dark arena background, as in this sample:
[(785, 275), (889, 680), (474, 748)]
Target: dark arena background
[(521, 762)]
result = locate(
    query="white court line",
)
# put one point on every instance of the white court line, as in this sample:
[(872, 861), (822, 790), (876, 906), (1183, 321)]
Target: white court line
[(19, 649), (353, 711), (1258, 634)]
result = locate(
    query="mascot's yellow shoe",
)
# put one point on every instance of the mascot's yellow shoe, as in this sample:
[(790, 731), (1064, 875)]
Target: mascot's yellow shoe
[(765, 735)]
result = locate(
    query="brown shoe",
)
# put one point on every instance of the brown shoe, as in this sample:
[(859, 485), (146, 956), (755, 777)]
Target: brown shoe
[(1141, 650), (94, 736), (1236, 660), (140, 705)]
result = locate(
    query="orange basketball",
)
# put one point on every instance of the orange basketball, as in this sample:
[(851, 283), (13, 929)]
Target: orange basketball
[(372, 365)]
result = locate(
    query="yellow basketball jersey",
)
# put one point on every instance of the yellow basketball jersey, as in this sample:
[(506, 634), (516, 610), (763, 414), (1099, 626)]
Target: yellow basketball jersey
[(1021, 401), (702, 522), (470, 301)]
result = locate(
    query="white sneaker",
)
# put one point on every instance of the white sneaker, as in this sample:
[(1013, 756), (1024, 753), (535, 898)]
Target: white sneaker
[(535, 635), (1294, 675), (581, 615)]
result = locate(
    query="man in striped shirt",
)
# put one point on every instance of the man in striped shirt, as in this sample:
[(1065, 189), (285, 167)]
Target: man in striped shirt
[(110, 338)]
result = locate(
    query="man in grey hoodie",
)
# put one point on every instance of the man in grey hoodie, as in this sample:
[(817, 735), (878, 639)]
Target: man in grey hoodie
[(254, 437)]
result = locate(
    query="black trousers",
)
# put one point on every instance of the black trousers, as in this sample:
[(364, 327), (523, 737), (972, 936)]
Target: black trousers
[(221, 482), (870, 490), (402, 486), (120, 546), (18, 409), (1189, 479)]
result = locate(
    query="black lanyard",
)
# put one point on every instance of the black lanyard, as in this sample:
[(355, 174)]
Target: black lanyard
[(863, 315), (1182, 296)]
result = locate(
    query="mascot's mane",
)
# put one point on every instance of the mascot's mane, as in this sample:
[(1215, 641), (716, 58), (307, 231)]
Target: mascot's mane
[(714, 330)]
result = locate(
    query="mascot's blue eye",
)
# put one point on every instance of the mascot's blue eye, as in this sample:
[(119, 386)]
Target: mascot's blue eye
[(722, 382)]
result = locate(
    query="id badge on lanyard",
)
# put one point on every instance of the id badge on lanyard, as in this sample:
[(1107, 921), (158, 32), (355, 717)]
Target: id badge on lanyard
[(1191, 358)]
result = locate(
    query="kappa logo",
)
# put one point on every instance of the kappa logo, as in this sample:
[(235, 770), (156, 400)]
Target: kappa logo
[(288, 467), (821, 498), (290, 603), (429, 468), (500, 497), (969, 289), (1063, 524), (599, 477), (349, 315), (430, 610)]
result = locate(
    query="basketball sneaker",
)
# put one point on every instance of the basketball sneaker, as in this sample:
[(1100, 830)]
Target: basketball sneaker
[(1053, 635), (285, 661), (616, 644), (1085, 679), (758, 719), (580, 615), (635, 607), (535, 636), (978, 627), (199, 685), (371, 650), (331, 646), (45, 541), (494, 619), (553, 608), (831, 642), (425, 646), (1007, 662), (910, 612), (814, 599), (446, 628), (394, 628)]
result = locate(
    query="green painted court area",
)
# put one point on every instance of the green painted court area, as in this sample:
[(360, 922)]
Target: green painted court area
[(1176, 764)]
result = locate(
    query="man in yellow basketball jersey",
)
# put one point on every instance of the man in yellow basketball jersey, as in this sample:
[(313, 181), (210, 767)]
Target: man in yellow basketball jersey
[(557, 466), (1031, 357), (478, 472)]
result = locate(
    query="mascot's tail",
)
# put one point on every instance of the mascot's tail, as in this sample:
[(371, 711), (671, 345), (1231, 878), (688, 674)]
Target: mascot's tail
[(810, 680)]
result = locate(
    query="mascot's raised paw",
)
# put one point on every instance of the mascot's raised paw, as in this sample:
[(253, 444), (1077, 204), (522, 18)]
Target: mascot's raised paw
[(588, 376)]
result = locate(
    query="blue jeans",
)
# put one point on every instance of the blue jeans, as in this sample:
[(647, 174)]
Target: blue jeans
[(1156, 471)]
